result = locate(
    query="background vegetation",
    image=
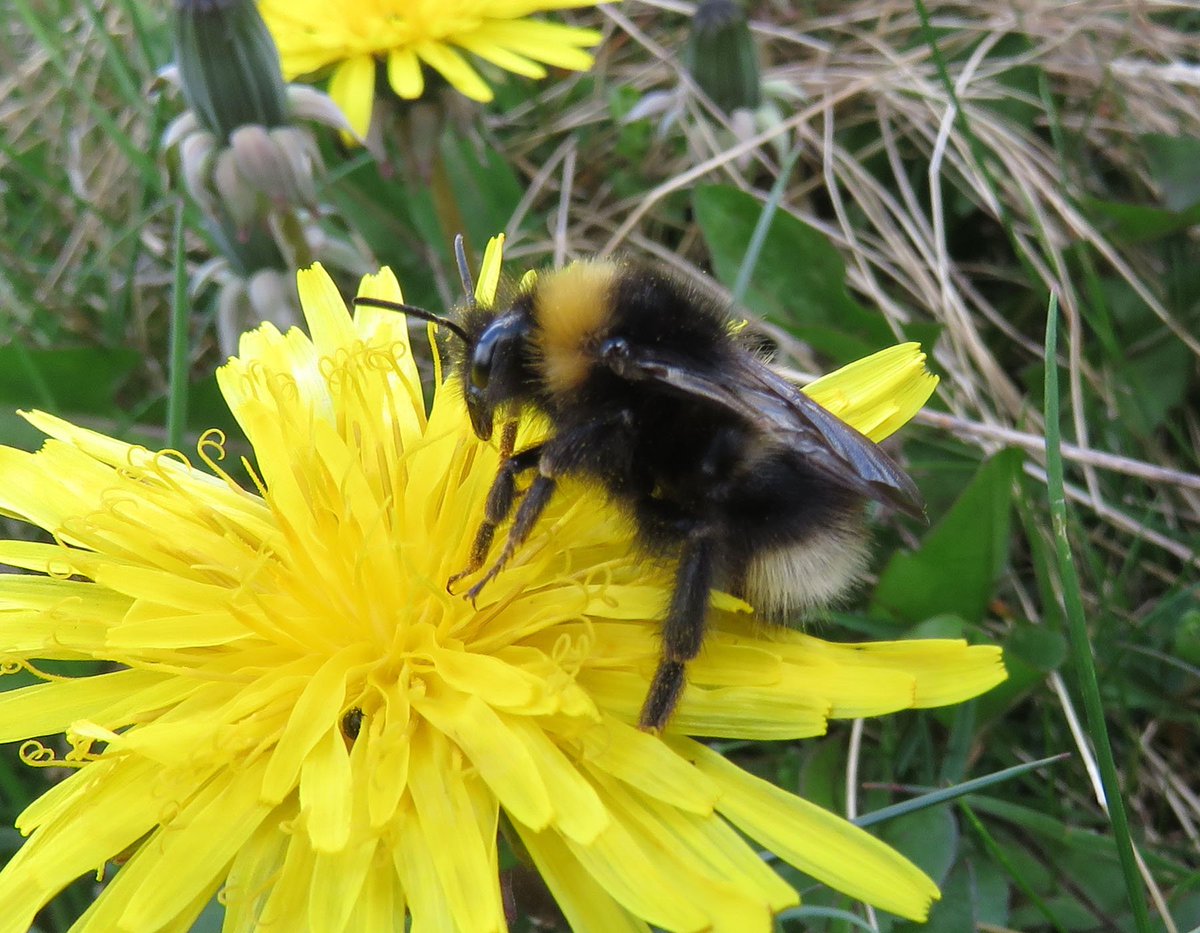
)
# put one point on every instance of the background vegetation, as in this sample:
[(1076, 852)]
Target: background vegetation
[(939, 170)]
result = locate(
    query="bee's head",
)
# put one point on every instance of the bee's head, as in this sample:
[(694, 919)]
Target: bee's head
[(493, 367), (490, 356)]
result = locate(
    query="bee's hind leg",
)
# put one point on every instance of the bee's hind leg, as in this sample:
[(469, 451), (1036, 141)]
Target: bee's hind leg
[(683, 629)]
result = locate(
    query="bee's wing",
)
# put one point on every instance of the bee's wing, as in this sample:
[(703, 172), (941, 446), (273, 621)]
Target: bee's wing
[(747, 388)]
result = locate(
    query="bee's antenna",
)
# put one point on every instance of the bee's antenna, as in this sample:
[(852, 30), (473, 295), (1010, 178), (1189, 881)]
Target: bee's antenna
[(464, 271), (414, 311)]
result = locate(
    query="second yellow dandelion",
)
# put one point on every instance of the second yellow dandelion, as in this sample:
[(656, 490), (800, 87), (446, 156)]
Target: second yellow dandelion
[(410, 35)]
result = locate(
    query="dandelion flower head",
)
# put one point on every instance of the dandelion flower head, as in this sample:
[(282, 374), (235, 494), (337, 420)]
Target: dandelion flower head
[(294, 712)]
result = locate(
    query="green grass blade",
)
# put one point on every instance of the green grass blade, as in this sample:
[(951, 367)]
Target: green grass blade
[(1080, 646), (996, 851), (178, 385), (950, 793), (754, 248)]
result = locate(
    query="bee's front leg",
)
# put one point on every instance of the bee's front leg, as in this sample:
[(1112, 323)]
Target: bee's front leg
[(508, 439), (499, 503), (604, 441), (534, 502)]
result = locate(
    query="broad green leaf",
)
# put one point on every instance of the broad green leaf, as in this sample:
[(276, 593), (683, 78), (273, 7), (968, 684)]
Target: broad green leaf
[(946, 625), (1187, 639), (823, 774), (1041, 648), (485, 186), (1141, 223), (81, 380), (929, 837), (1030, 653), (976, 892), (1158, 380), (956, 567), (1175, 166), (800, 279), (400, 228)]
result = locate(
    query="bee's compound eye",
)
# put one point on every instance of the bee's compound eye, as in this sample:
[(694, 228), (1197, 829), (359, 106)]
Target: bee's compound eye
[(498, 345), (485, 352)]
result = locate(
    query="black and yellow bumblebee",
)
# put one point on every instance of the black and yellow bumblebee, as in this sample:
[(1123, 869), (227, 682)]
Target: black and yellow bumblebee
[(722, 465)]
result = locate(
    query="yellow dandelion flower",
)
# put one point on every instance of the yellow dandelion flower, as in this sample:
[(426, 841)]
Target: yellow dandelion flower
[(299, 716), (411, 35)]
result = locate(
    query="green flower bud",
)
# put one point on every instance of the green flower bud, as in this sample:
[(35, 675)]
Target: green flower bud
[(720, 55), (228, 65)]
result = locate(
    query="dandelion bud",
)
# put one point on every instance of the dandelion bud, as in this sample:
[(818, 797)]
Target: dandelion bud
[(721, 56), (228, 65)]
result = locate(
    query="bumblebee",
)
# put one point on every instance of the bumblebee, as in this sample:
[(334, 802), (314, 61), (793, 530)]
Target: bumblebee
[(722, 465)]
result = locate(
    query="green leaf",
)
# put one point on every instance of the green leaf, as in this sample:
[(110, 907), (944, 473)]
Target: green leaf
[(486, 187), (946, 625), (928, 837), (401, 223), (955, 569), (1175, 167), (974, 894), (1041, 648), (1158, 378), (1186, 645), (80, 379), (823, 774), (800, 279), (400, 229), (1030, 652), (1185, 905), (1140, 223)]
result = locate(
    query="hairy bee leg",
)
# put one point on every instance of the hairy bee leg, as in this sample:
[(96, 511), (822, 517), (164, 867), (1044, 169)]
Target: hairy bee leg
[(537, 497), (508, 440), (683, 629), (479, 548), (564, 454), (499, 504)]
